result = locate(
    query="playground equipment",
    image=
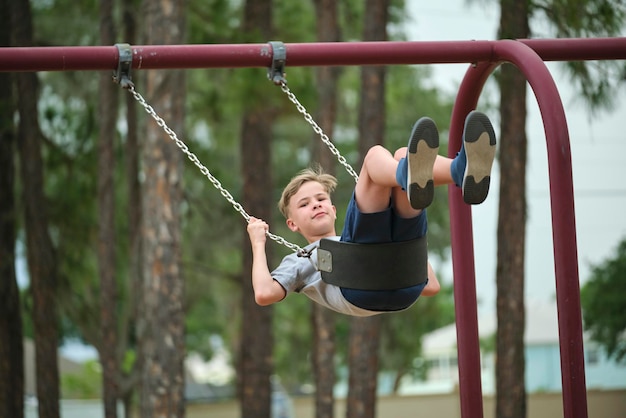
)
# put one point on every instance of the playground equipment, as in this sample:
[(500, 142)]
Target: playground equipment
[(483, 56)]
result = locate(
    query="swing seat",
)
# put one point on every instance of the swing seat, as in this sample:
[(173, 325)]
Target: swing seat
[(386, 266)]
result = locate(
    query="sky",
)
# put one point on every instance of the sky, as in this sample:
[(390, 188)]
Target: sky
[(598, 145)]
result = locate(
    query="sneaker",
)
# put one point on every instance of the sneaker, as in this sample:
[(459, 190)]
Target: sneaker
[(422, 151), (479, 146)]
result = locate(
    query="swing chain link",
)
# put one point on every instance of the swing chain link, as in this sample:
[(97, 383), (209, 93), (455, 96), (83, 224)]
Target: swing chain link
[(204, 170), (316, 128)]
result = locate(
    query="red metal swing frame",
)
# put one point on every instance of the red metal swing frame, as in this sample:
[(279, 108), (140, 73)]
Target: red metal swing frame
[(484, 56)]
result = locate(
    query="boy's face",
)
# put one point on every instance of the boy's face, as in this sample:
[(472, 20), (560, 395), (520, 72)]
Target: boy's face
[(311, 212)]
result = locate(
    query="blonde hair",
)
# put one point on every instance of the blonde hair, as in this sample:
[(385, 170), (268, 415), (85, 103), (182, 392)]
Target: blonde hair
[(328, 182)]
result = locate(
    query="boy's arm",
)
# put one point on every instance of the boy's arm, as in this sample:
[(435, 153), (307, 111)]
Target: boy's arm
[(266, 289), (432, 287)]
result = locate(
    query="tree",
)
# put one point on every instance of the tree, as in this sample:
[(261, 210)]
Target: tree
[(323, 320), (70, 120), (255, 362), (41, 257), (365, 332), (128, 318), (161, 336), (591, 18), (75, 251), (596, 81), (108, 341), (12, 348), (603, 298), (510, 363), (402, 332)]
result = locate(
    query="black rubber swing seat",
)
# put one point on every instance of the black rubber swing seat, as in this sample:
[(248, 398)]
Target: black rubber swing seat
[(386, 266)]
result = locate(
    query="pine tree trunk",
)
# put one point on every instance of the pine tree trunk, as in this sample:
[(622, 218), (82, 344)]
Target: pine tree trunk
[(162, 320), (41, 255), (128, 330), (365, 332), (322, 319), (323, 359), (363, 363), (106, 222), (327, 30), (42, 266), (255, 362), (510, 362), (12, 346)]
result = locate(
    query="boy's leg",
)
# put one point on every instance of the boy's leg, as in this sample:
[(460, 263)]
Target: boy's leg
[(471, 169), (415, 171), (376, 180)]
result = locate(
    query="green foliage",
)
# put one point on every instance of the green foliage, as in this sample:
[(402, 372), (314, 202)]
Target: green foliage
[(488, 343), (603, 299), (351, 19), (598, 81), (130, 356), (294, 21), (212, 21), (66, 22), (70, 126), (402, 332), (86, 384), (69, 121), (212, 230), (293, 341), (582, 18)]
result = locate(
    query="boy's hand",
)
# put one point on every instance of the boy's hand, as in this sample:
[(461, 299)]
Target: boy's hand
[(256, 230)]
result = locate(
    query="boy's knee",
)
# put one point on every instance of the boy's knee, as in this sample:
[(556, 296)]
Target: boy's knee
[(400, 153), (374, 151)]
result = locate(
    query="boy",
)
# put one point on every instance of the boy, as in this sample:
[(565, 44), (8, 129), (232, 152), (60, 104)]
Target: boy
[(388, 205)]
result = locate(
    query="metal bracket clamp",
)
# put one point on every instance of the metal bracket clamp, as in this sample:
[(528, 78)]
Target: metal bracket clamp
[(276, 73), (125, 64), (324, 260)]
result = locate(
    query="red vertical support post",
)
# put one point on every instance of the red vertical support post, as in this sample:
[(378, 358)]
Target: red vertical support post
[(563, 222), (564, 235), (465, 300)]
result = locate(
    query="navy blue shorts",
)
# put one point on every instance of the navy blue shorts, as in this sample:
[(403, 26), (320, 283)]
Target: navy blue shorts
[(381, 227)]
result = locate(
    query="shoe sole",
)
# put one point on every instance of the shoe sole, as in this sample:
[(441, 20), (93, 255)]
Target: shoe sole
[(480, 147), (422, 151)]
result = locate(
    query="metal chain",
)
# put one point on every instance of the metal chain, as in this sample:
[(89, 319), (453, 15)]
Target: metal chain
[(316, 128), (194, 159)]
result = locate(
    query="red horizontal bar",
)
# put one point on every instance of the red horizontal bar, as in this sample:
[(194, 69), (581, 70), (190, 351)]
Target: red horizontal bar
[(578, 49), (302, 54)]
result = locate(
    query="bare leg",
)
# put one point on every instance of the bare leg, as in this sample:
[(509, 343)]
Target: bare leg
[(379, 175), (399, 196), (377, 183), (441, 171), (376, 179)]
